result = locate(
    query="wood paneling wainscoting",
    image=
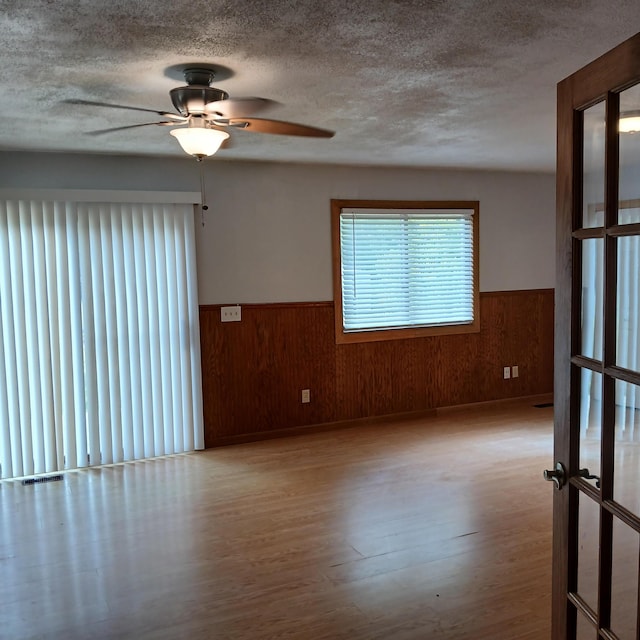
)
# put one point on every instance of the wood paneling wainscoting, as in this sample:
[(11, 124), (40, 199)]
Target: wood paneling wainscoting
[(254, 370)]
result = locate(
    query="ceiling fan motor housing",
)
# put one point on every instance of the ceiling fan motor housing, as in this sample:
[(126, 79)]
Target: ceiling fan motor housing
[(197, 94)]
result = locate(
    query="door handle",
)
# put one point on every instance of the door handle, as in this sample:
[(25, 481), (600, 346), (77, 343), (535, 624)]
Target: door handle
[(584, 473), (558, 475)]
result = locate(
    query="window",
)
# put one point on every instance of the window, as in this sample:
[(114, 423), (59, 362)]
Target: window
[(404, 269)]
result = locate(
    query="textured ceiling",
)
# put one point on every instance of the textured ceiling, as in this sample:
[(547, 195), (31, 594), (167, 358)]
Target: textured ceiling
[(449, 83)]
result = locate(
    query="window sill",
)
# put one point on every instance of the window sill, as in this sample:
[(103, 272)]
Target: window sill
[(354, 337)]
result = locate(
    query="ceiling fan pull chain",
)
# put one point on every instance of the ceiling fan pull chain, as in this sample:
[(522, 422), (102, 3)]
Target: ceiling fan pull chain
[(203, 196)]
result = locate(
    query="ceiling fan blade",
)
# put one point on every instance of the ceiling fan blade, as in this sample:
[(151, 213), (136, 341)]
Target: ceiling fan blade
[(164, 114), (238, 107), (260, 125), (99, 132), (229, 143)]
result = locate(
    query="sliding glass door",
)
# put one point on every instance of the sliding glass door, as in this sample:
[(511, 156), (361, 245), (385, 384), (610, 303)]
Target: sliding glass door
[(100, 337)]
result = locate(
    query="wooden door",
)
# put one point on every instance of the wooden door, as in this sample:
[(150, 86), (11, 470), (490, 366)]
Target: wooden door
[(596, 551)]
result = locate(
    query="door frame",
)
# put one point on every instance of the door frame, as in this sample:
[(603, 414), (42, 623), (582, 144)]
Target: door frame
[(610, 73)]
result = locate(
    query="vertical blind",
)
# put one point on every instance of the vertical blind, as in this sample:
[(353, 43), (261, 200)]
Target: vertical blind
[(406, 268), (100, 335)]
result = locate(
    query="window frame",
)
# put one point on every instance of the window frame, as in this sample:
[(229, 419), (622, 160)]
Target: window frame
[(375, 335)]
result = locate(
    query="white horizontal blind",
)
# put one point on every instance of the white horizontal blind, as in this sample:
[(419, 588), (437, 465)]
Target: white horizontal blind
[(100, 334), (406, 268)]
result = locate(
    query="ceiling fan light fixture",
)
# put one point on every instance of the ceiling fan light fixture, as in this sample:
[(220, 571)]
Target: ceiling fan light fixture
[(629, 122), (199, 141)]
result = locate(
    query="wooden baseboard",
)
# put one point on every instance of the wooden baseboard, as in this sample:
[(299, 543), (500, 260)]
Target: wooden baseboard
[(377, 420), (316, 428), (541, 398)]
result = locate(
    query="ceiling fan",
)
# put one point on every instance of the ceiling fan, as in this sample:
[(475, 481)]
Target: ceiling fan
[(207, 112)]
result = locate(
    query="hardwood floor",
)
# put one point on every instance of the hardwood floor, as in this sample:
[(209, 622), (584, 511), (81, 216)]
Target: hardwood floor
[(425, 528)]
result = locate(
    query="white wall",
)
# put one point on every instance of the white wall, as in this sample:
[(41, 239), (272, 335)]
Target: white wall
[(267, 233)]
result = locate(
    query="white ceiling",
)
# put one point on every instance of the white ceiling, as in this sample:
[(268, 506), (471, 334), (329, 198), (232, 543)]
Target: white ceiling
[(425, 83)]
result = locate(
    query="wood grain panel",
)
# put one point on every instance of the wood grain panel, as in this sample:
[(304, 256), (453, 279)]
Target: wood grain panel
[(254, 370)]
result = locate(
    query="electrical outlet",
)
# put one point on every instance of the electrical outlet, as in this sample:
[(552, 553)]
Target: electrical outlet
[(514, 371), (306, 396), (506, 372), (231, 314)]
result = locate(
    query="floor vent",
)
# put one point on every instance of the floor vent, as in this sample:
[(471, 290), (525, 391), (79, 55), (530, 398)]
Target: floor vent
[(41, 479), (544, 405)]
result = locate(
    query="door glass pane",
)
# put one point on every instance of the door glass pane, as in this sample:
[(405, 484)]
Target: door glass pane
[(588, 550), (629, 210), (592, 297), (590, 421), (585, 630), (593, 162), (629, 182), (624, 581), (627, 446), (628, 303)]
